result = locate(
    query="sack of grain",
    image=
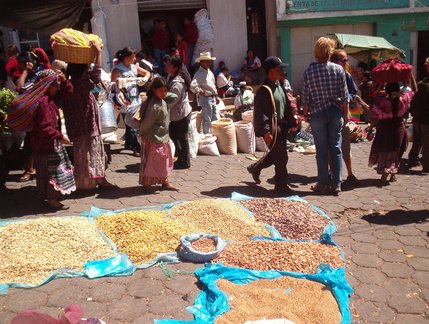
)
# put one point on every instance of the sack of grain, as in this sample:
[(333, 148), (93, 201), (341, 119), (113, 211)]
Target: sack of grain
[(224, 130), (207, 145), (245, 137)]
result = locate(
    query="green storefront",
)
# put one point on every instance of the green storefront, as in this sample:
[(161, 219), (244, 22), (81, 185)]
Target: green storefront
[(300, 23)]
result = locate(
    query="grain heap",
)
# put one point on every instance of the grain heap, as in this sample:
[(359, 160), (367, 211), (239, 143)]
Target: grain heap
[(302, 257), (31, 250), (295, 220), (220, 217), (142, 234), (298, 300)]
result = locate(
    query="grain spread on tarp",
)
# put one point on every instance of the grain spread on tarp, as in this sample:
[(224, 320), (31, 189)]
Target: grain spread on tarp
[(31, 250), (142, 234), (220, 217), (299, 300)]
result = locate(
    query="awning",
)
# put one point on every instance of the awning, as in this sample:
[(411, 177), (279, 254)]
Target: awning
[(367, 48), (46, 16)]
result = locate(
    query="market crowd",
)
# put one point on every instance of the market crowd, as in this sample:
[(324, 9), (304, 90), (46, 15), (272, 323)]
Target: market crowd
[(151, 93)]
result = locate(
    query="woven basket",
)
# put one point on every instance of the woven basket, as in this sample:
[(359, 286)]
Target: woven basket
[(75, 54)]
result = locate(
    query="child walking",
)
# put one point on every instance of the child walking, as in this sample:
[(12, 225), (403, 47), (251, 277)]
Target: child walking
[(156, 157)]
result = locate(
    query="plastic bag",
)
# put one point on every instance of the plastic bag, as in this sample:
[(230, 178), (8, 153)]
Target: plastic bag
[(189, 253), (72, 315), (130, 119), (117, 266)]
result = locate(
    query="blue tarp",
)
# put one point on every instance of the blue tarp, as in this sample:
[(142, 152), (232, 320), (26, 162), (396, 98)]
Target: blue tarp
[(212, 302)]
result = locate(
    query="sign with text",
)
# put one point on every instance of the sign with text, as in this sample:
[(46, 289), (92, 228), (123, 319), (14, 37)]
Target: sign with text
[(300, 6)]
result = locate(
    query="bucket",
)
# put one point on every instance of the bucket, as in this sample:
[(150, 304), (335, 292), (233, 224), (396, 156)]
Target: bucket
[(107, 116)]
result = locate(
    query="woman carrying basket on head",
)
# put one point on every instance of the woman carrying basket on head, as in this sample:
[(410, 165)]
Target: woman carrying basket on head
[(391, 139), (41, 114)]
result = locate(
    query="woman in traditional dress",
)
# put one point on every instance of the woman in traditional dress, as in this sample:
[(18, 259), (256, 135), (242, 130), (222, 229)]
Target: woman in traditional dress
[(391, 139), (83, 126), (251, 65), (156, 160), (54, 175)]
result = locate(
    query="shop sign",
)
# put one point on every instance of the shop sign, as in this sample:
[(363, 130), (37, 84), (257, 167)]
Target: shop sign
[(304, 6)]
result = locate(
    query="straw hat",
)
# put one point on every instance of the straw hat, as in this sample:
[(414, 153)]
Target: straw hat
[(205, 56)]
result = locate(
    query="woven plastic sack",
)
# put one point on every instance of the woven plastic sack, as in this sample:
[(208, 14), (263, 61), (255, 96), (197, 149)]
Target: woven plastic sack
[(247, 116), (392, 70), (260, 144), (246, 142), (208, 146), (224, 130), (199, 122), (193, 136), (188, 252)]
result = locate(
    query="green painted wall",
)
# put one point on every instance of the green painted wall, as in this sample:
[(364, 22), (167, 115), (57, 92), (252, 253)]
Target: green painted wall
[(394, 28)]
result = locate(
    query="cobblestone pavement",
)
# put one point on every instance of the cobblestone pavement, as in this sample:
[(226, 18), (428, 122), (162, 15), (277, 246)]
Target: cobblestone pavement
[(384, 232)]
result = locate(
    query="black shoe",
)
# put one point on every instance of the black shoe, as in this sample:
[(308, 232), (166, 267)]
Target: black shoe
[(255, 173), (181, 166), (425, 171), (282, 189), (353, 180)]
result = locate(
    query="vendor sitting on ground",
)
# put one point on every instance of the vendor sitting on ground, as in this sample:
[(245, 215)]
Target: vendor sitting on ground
[(243, 100), (224, 84), (251, 65)]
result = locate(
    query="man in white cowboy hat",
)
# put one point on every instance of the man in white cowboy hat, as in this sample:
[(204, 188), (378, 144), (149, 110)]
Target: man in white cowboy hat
[(204, 85)]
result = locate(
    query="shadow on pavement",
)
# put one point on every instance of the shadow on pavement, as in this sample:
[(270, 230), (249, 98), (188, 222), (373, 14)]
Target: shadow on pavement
[(121, 192), (398, 217), (130, 168)]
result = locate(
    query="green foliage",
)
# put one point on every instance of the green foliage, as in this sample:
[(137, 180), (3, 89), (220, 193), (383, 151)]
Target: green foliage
[(6, 97)]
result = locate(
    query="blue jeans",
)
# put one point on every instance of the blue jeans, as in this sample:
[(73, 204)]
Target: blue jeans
[(326, 126), (159, 54), (190, 55), (208, 110)]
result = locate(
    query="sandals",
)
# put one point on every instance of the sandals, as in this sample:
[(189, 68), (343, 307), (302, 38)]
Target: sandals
[(27, 176)]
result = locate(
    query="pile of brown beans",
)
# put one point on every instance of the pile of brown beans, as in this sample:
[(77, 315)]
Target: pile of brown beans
[(294, 219), (302, 257)]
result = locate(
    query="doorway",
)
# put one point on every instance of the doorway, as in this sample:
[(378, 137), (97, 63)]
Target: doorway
[(422, 53), (256, 28)]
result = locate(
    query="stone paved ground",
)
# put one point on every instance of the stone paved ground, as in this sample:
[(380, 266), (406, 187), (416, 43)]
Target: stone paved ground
[(384, 232)]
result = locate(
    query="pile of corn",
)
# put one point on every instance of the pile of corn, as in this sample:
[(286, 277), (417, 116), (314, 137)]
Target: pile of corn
[(31, 250), (142, 235), (220, 217)]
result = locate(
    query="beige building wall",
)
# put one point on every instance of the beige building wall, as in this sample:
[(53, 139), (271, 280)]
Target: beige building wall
[(121, 23), (303, 39), (228, 19)]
